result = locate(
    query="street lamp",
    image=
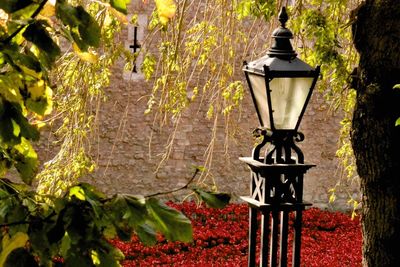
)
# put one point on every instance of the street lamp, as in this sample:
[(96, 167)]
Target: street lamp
[(280, 83), (281, 86)]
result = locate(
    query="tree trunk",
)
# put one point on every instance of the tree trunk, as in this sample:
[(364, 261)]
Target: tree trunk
[(375, 138)]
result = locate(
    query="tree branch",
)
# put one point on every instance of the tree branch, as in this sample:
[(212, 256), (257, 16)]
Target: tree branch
[(175, 190), (14, 223)]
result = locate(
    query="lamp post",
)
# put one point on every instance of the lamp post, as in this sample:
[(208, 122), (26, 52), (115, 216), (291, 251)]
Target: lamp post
[(281, 86)]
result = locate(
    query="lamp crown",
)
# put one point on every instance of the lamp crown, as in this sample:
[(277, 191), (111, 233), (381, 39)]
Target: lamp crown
[(281, 47)]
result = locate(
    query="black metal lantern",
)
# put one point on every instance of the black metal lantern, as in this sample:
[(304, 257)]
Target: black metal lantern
[(281, 86), (280, 83)]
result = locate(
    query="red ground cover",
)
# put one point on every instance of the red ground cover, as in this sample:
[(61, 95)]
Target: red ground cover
[(220, 239)]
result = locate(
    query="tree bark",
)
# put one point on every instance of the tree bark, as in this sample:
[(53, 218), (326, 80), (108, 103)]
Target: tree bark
[(375, 138)]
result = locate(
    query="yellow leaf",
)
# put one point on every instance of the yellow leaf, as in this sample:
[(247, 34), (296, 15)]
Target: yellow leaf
[(37, 75), (121, 17), (48, 10), (78, 192), (39, 124), (49, 97), (95, 257), (332, 198), (26, 149), (16, 128), (353, 214), (90, 57), (163, 20), (166, 10), (9, 244), (37, 89)]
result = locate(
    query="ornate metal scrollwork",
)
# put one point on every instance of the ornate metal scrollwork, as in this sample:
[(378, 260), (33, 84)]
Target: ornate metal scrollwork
[(283, 146)]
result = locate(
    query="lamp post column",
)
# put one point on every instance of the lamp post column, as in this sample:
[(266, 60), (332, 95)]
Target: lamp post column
[(276, 191)]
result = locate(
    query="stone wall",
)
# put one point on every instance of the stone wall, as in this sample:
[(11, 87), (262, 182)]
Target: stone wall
[(129, 163)]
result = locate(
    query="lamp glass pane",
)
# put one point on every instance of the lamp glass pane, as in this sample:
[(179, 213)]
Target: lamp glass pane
[(288, 96), (260, 94)]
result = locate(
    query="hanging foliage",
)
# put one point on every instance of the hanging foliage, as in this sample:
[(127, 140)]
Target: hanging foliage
[(202, 50)]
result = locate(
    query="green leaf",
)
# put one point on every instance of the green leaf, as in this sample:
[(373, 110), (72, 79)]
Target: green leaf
[(107, 260), (109, 231), (26, 129), (9, 87), (40, 106), (213, 199), (94, 197), (65, 245), (56, 232), (137, 212), (123, 234), (397, 86), (89, 29), (2, 108), (129, 213), (146, 234), (397, 122), (27, 164), (78, 40), (5, 206), (84, 29), (9, 244), (170, 222), (120, 5), (25, 13), (29, 204), (67, 13), (74, 260), (14, 188), (39, 242), (108, 255), (129, 209), (38, 35), (11, 6), (5, 164), (20, 257), (7, 131), (78, 222), (25, 62), (92, 192), (14, 125)]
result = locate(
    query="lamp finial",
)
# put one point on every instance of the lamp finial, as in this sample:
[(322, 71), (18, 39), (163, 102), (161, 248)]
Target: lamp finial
[(283, 17)]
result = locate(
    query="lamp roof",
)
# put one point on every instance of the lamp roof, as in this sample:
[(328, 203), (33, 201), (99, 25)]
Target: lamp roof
[(277, 64)]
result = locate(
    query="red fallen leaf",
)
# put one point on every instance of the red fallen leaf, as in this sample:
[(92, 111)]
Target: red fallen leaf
[(221, 239)]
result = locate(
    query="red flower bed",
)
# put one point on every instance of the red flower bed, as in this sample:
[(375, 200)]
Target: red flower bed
[(220, 239)]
